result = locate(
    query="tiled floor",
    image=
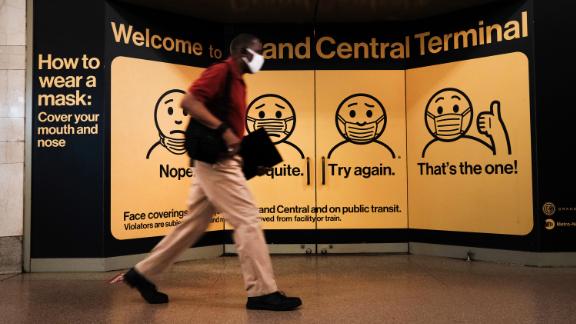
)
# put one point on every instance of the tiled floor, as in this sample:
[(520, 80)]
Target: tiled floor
[(334, 289)]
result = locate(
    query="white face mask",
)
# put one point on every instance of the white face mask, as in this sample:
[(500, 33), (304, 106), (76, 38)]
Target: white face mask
[(449, 126), (277, 127), (174, 145), (257, 61), (361, 134)]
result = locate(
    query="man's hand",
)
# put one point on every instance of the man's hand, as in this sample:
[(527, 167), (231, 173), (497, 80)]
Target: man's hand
[(232, 142)]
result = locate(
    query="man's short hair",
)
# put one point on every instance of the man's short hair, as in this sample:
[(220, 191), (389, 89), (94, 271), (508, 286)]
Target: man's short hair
[(241, 42)]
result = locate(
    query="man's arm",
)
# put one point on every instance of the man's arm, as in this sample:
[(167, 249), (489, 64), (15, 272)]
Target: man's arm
[(198, 111)]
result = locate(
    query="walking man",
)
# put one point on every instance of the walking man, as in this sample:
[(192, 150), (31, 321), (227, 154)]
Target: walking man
[(220, 187)]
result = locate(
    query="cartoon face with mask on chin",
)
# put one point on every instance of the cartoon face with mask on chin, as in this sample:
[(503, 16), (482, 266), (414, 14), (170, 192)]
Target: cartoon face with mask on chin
[(171, 122)]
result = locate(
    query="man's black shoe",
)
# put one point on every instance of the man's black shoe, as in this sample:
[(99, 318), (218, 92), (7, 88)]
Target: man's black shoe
[(146, 288), (276, 301)]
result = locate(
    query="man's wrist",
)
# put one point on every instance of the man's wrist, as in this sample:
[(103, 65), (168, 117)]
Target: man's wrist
[(222, 128)]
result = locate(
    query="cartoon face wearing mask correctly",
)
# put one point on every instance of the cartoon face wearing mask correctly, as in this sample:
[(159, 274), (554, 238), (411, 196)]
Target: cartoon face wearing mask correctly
[(273, 113), (361, 118), (171, 121), (448, 114)]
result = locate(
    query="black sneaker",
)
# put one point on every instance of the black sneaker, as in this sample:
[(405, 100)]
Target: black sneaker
[(145, 287), (276, 301)]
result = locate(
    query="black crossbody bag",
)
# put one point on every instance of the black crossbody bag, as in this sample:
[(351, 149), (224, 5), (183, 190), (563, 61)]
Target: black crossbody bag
[(206, 144)]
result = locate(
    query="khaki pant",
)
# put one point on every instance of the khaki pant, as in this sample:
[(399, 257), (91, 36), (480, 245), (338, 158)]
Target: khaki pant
[(219, 187)]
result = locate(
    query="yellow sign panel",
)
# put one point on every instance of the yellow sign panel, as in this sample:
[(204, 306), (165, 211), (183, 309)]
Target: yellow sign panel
[(361, 132), (444, 147), (469, 146), (150, 173), (282, 102)]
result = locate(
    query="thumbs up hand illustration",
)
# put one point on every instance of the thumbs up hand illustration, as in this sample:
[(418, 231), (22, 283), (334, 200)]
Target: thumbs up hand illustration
[(490, 123)]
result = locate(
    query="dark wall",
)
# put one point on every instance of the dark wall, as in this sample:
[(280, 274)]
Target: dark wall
[(555, 114), (67, 182)]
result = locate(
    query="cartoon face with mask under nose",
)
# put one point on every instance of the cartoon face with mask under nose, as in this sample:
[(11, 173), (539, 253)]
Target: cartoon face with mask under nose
[(361, 118), (448, 114), (273, 113)]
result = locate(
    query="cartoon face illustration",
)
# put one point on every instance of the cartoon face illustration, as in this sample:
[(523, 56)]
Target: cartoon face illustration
[(448, 114), (171, 120), (273, 113), (361, 118)]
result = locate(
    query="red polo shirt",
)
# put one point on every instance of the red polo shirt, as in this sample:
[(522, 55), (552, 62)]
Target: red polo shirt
[(212, 82)]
